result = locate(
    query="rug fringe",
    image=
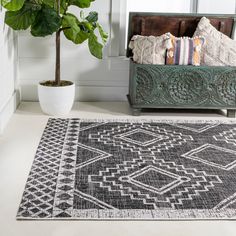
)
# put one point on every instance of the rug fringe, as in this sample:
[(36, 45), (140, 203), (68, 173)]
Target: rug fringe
[(126, 120), (142, 214)]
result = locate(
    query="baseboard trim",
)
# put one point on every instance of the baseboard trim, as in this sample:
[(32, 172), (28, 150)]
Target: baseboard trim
[(9, 109), (83, 93)]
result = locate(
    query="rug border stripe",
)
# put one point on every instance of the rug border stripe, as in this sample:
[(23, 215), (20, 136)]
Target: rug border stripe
[(151, 120), (168, 214)]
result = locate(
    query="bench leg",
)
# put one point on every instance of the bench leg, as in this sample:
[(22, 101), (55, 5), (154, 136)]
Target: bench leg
[(136, 111), (231, 113)]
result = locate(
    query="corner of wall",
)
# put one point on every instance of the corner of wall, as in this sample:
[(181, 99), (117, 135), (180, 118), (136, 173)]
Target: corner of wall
[(9, 90), (9, 109)]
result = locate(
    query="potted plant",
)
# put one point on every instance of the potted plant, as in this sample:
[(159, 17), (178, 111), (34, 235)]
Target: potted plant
[(45, 17)]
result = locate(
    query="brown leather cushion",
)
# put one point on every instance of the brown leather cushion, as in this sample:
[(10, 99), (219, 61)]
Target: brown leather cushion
[(177, 25)]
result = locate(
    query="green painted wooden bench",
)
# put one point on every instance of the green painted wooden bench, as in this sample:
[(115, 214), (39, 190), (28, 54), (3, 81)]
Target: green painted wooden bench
[(183, 87)]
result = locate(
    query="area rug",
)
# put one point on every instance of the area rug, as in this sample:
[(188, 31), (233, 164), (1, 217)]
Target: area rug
[(86, 169)]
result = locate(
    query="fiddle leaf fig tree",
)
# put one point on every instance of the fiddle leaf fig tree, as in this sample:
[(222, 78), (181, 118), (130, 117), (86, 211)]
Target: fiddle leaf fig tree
[(45, 17)]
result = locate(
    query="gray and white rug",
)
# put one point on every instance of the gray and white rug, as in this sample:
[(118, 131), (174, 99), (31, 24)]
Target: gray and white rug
[(132, 170)]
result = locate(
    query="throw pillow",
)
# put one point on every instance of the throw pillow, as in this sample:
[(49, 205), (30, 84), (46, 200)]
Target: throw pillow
[(148, 49), (184, 51), (220, 50)]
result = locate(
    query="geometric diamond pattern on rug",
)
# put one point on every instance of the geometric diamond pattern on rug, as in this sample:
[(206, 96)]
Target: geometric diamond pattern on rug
[(64, 196), (169, 195), (141, 137), (87, 155), (38, 198), (85, 169), (88, 125), (154, 179), (228, 202), (214, 156), (197, 127), (228, 136), (155, 139)]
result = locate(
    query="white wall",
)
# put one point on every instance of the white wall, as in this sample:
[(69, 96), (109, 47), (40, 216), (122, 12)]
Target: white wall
[(158, 6), (216, 6), (8, 70)]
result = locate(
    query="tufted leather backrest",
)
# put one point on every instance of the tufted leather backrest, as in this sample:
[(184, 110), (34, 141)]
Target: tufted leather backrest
[(177, 24)]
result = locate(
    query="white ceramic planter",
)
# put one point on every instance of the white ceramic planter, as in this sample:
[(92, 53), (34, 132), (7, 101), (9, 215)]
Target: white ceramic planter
[(56, 101)]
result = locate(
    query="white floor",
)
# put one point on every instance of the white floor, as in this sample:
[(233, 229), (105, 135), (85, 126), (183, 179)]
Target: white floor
[(17, 148)]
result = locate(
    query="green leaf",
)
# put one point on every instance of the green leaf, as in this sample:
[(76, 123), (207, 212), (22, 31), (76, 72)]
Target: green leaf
[(94, 46), (34, 5), (23, 18), (13, 5), (81, 3), (103, 34), (3, 2), (92, 17), (64, 6), (87, 26), (46, 22), (50, 3), (74, 32), (81, 37), (71, 22), (53, 4)]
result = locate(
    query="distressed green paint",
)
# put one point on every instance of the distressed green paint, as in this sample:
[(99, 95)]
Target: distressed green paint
[(165, 86)]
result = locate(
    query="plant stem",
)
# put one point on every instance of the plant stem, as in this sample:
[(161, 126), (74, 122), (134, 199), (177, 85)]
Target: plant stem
[(58, 59), (58, 51)]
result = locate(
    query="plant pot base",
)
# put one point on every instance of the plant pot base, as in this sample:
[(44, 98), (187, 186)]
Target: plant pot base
[(56, 101)]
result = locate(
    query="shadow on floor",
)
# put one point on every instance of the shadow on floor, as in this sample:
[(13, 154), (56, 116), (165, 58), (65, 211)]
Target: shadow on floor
[(121, 109), (184, 112)]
